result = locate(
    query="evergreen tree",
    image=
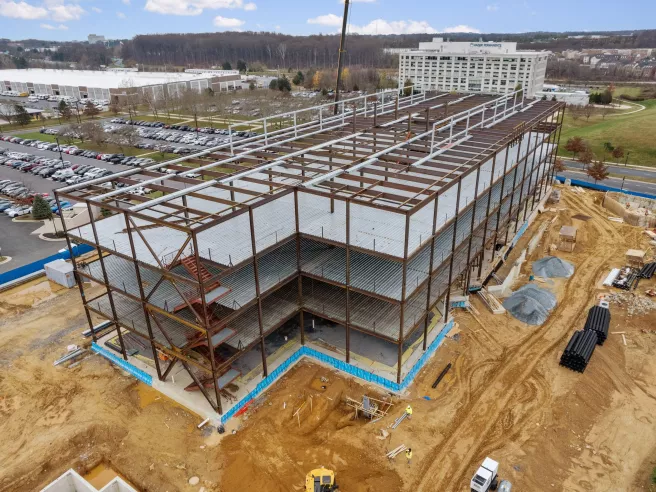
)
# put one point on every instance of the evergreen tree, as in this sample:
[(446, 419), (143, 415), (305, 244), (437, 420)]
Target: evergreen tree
[(41, 209), (22, 117)]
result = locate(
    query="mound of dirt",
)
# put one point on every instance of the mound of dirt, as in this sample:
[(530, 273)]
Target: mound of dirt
[(530, 304), (553, 267)]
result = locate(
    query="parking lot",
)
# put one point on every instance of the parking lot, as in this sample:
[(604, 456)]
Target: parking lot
[(17, 241), (42, 185)]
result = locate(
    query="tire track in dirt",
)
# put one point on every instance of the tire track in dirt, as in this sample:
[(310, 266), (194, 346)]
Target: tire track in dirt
[(446, 467)]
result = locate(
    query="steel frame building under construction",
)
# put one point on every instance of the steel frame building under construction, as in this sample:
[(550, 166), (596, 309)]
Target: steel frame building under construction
[(370, 213)]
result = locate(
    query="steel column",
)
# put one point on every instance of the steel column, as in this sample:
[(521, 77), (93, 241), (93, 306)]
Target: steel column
[(403, 300), (453, 253), (143, 297), (430, 270), (107, 284), (257, 291)]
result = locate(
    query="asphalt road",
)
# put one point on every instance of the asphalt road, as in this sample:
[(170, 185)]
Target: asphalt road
[(631, 185), (42, 185), (617, 169)]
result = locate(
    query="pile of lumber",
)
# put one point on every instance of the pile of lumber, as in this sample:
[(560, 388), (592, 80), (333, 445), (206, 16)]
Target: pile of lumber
[(579, 350), (599, 322)]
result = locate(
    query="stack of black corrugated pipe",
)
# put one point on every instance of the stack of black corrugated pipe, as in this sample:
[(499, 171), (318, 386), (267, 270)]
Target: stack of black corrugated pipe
[(598, 321), (579, 350), (648, 270)]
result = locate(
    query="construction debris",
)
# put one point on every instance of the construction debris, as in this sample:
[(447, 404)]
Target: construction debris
[(553, 267), (635, 304), (492, 303), (530, 304)]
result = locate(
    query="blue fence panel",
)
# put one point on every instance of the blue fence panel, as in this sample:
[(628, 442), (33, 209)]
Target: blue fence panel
[(142, 376), (33, 267), (599, 187)]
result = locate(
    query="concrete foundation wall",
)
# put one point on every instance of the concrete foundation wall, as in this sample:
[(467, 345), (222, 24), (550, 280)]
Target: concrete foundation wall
[(617, 204)]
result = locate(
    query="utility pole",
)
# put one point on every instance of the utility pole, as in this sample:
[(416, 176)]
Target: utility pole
[(340, 60)]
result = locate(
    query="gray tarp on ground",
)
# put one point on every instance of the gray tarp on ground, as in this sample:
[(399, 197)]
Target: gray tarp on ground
[(552, 266), (530, 304)]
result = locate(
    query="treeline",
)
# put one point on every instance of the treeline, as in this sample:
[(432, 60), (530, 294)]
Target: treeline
[(270, 49), (275, 50)]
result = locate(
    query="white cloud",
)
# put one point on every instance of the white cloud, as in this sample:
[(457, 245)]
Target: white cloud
[(228, 23), (66, 12), (380, 26), (96, 10), (22, 10), (126, 2), (492, 8), (460, 28), (326, 20), (194, 7), (56, 10), (120, 15), (50, 27)]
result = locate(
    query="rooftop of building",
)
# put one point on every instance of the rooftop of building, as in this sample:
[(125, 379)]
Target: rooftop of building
[(96, 78)]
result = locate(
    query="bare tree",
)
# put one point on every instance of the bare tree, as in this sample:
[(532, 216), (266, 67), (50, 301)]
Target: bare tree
[(149, 99), (282, 51), (125, 136), (588, 110), (93, 132), (192, 103), (7, 112)]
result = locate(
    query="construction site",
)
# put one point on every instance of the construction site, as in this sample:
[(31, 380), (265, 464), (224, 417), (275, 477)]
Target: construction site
[(391, 274), (346, 235)]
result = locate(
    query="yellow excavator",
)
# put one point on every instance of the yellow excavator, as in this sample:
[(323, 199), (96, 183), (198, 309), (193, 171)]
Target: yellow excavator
[(320, 480)]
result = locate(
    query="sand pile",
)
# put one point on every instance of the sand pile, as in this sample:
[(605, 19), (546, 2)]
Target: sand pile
[(530, 304), (552, 267)]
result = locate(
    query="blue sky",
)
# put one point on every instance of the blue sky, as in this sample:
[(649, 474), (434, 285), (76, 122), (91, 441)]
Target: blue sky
[(74, 19)]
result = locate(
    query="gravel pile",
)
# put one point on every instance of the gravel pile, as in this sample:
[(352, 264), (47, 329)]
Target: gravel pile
[(530, 304), (552, 267), (634, 303)]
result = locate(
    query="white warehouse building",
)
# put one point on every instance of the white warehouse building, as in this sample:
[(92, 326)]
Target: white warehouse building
[(489, 67)]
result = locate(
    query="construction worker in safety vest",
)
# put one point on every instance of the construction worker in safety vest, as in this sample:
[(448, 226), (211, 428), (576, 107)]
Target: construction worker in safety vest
[(408, 455), (408, 411)]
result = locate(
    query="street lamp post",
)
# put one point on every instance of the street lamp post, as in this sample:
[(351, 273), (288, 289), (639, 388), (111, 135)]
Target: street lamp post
[(627, 158)]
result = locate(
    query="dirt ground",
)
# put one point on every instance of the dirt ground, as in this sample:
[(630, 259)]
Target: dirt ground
[(505, 397)]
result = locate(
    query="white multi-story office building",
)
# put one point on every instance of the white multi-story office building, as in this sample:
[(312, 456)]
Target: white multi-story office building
[(473, 67)]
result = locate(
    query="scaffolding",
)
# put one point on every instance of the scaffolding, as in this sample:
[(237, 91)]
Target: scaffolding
[(367, 213)]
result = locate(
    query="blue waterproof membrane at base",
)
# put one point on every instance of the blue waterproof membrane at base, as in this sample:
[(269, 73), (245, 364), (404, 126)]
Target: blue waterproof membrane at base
[(596, 186), (519, 234), (350, 369), (142, 376), (304, 351), (35, 266)]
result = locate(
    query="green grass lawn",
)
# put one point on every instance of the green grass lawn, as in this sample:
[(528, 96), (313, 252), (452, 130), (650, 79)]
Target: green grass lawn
[(160, 117), (635, 132), (38, 136)]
